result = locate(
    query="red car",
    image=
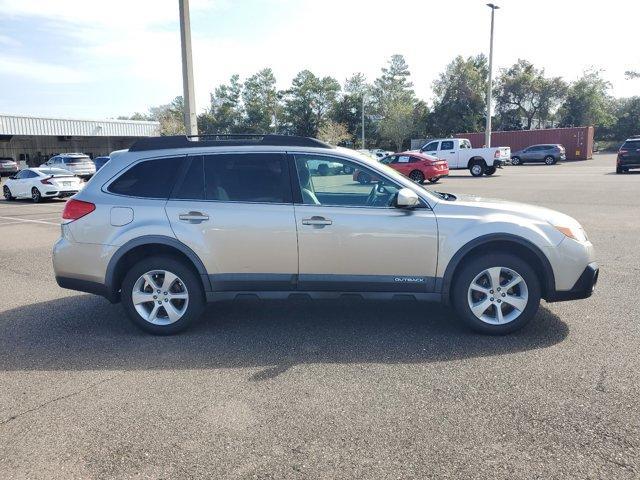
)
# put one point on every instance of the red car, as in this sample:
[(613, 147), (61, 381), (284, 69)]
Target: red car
[(415, 165)]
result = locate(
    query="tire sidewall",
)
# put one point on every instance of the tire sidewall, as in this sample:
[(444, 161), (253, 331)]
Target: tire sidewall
[(472, 268), (186, 274), (36, 198), (418, 174), (6, 192), (482, 166)]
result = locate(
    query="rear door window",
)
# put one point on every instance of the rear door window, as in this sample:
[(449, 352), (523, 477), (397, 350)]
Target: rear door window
[(447, 145), (247, 177), (148, 178), (191, 185)]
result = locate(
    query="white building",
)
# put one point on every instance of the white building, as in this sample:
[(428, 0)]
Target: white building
[(33, 140)]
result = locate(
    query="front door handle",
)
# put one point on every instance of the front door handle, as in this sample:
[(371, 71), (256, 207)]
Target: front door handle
[(316, 221), (193, 217)]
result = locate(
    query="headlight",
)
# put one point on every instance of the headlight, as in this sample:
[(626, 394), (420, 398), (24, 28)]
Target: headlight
[(577, 233)]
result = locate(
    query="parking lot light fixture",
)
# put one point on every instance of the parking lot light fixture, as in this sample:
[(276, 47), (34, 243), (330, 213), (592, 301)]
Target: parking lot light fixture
[(487, 132)]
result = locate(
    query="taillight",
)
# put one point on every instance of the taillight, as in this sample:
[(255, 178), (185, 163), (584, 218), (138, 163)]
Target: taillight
[(497, 154), (620, 152), (46, 180), (75, 209)]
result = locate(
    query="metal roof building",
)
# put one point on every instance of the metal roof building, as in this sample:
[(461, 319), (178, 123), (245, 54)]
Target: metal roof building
[(33, 140)]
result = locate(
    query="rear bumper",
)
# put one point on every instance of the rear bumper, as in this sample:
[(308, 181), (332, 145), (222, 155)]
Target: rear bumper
[(60, 193), (583, 287), (501, 162)]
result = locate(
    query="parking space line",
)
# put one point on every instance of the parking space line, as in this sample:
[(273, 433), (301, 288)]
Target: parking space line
[(25, 220)]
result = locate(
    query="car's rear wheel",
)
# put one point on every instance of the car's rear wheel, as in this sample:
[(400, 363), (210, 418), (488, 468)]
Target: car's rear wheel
[(7, 193), (36, 196), (549, 160), (477, 168), (516, 161), (162, 295), (496, 293), (417, 176), (490, 170)]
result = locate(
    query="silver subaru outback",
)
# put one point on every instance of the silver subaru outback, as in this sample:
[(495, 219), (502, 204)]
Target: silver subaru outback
[(174, 222)]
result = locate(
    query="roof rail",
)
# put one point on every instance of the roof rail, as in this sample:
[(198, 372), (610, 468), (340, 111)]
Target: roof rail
[(224, 140)]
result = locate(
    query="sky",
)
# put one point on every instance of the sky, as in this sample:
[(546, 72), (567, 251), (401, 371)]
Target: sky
[(101, 59)]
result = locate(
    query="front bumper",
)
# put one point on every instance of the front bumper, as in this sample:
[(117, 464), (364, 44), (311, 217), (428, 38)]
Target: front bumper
[(583, 288)]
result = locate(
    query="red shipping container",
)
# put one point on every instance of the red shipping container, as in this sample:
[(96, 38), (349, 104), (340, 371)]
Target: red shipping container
[(577, 141)]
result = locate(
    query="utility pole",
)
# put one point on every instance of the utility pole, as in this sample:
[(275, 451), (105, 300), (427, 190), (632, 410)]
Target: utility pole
[(363, 147), (487, 131), (190, 119)]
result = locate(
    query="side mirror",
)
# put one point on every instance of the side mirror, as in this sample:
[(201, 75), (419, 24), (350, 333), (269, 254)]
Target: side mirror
[(12, 177), (407, 198)]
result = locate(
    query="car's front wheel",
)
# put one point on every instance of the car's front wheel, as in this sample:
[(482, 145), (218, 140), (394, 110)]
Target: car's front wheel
[(417, 176), (549, 160), (162, 295), (496, 293), (7, 193)]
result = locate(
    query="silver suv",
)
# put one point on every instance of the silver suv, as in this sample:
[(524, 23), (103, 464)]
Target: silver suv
[(77, 163), (174, 222)]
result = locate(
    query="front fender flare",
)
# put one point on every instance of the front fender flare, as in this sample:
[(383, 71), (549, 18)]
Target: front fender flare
[(447, 279)]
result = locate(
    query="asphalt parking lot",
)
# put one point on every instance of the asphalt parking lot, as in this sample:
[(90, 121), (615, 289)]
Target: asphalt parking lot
[(329, 389)]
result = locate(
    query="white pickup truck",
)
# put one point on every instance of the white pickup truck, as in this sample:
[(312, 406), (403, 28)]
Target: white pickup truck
[(460, 155)]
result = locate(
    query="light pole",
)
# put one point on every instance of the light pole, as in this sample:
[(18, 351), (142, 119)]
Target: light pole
[(190, 119), (487, 131), (363, 147)]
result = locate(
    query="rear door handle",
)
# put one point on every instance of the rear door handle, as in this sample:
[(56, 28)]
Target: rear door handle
[(194, 217), (316, 221)]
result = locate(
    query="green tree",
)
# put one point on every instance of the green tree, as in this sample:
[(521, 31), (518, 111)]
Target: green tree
[(260, 98), (225, 113), (588, 102), (398, 122), (460, 97), (348, 108), (334, 133), (627, 119), (170, 116), (523, 92), (308, 102), (393, 84)]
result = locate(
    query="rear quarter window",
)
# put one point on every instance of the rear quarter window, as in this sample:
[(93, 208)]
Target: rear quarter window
[(148, 178)]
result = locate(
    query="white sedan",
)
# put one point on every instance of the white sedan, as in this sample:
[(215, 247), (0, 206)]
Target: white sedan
[(40, 183)]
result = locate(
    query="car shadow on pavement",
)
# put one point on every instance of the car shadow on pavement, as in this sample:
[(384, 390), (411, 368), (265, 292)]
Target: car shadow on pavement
[(87, 333)]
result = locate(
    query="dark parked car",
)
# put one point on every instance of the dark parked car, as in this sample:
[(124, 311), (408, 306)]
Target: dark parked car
[(100, 162), (7, 166), (547, 153), (628, 155)]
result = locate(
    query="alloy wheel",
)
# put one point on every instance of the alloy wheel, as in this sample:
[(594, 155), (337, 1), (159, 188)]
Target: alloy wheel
[(160, 297), (498, 295)]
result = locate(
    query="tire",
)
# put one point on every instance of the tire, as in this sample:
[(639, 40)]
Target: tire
[(549, 160), (36, 196), (323, 169), (363, 178), (490, 170), (7, 193), (184, 310), (474, 272), (434, 179), (618, 170), (477, 168), (517, 161), (417, 176)]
